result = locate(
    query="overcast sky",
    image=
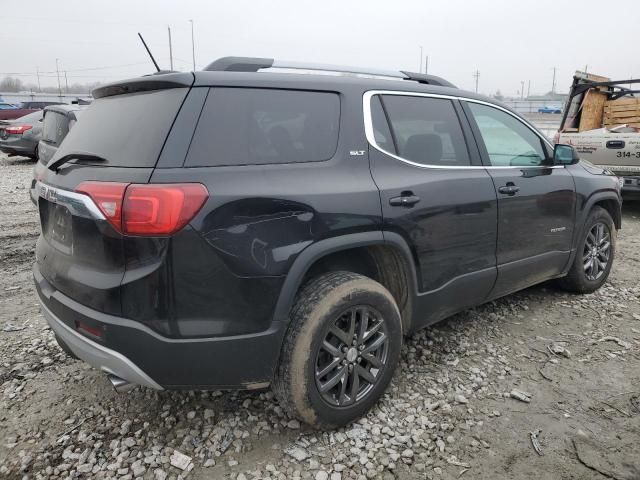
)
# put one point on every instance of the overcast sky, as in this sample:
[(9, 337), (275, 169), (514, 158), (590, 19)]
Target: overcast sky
[(508, 41)]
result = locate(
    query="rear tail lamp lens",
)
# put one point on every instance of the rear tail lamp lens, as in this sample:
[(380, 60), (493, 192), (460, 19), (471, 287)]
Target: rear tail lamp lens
[(147, 209), (18, 129)]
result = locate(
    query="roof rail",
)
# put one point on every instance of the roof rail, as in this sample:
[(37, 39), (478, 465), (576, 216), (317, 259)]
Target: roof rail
[(428, 79), (252, 64)]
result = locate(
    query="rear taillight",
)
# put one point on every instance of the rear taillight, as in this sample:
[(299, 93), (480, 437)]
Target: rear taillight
[(108, 197), (18, 129), (145, 209)]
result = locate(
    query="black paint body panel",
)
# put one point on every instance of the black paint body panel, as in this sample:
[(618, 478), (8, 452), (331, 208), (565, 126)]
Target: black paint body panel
[(208, 307)]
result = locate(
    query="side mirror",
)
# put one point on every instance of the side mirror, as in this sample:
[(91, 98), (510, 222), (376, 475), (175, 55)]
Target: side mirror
[(565, 155)]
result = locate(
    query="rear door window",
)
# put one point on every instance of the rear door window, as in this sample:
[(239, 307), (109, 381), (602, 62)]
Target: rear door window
[(424, 130), (251, 126)]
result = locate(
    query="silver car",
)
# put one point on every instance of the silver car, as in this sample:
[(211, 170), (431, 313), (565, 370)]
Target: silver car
[(21, 136)]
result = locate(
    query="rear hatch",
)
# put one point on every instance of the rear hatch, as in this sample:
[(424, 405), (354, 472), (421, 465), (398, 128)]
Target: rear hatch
[(80, 253)]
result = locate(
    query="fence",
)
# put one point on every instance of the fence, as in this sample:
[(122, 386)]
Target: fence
[(532, 106)]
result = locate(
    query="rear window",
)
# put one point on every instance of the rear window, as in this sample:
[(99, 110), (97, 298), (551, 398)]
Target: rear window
[(125, 130), (31, 117), (56, 127), (247, 126)]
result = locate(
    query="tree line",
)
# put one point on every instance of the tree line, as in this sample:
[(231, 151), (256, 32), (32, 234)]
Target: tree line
[(12, 84)]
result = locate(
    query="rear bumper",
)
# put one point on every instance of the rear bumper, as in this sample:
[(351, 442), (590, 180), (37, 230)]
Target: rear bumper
[(18, 147), (631, 184), (132, 351), (96, 355)]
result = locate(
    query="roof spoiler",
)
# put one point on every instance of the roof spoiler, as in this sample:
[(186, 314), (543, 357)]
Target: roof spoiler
[(157, 81)]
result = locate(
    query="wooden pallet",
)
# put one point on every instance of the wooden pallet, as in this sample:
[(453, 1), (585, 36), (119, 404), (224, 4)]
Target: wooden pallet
[(621, 111)]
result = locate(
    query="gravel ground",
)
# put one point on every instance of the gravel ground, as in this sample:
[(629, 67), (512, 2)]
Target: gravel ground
[(450, 412)]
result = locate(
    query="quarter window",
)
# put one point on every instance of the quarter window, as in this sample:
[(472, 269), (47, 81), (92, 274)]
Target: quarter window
[(508, 141), (250, 126), (424, 130)]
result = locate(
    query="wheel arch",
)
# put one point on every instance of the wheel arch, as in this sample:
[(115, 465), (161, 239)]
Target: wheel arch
[(325, 253), (607, 200)]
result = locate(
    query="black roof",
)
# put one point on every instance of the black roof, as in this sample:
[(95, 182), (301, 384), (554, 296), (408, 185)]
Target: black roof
[(246, 72)]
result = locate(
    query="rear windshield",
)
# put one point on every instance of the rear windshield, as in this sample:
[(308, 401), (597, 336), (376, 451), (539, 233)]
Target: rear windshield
[(31, 117), (125, 130), (56, 127), (249, 126)]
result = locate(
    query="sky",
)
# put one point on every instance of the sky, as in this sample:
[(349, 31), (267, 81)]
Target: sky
[(507, 41)]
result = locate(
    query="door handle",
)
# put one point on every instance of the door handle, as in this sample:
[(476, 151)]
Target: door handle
[(406, 199), (615, 144), (509, 189)]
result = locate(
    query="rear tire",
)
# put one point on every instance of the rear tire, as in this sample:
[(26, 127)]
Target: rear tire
[(340, 351), (594, 258)]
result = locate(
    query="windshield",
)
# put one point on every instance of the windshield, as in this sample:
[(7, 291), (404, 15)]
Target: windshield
[(7, 106)]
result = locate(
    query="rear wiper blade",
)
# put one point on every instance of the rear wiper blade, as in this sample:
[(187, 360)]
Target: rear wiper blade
[(78, 157)]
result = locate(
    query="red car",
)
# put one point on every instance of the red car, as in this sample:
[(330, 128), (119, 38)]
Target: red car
[(9, 111)]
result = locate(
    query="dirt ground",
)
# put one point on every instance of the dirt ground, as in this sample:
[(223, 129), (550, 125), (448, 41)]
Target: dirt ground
[(449, 412)]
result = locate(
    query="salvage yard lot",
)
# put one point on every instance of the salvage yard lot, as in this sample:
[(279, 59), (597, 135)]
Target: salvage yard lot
[(450, 411)]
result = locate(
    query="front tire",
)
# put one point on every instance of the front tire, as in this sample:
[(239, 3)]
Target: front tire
[(340, 351), (595, 254)]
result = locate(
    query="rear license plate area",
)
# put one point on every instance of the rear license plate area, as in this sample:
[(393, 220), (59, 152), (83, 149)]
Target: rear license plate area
[(60, 228)]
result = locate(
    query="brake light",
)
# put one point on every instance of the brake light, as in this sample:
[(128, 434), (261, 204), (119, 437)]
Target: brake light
[(161, 209), (146, 209), (18, 129), (108, 198)]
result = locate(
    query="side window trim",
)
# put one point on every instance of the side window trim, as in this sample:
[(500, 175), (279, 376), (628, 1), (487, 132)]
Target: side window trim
[(368, 127), (471, 154)]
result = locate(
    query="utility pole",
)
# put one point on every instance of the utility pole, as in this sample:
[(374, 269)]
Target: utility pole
[(426, 65), (170, 49), (38, 75), (193, 47), (529, 89), (421, 57), (553, 84), (477, 76), (522, 90), (66, 82), (58, 75)]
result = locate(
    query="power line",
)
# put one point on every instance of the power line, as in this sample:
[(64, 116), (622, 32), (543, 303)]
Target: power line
[(108, 67)]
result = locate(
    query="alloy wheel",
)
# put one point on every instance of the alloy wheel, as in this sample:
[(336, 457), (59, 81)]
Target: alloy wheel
[(597, 251), (352, 356)]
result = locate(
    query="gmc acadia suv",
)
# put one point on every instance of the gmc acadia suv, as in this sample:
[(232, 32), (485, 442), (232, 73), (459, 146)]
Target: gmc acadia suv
[(241, 227)]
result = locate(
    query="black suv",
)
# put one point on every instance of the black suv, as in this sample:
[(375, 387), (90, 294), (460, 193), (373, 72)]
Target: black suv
[(240, 228)]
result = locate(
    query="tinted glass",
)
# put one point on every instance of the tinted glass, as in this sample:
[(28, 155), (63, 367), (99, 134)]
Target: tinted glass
[(381, 131), (426, 130), (126, 130), (509, 142), (245, 126), (55, 128)]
